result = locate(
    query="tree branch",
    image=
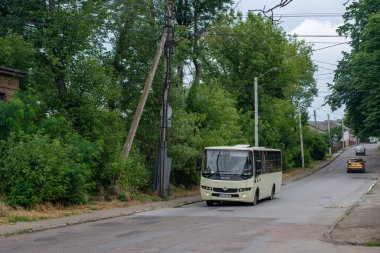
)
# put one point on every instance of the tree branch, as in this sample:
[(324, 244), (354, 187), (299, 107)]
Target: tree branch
[(269, 11)]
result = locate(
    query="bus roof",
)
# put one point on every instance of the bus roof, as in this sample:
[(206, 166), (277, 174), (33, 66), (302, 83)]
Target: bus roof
[(243, 148)]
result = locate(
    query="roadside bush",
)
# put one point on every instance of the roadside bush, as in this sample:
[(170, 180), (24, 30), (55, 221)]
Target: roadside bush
[(134, 175), (316, 144), (38, 169)]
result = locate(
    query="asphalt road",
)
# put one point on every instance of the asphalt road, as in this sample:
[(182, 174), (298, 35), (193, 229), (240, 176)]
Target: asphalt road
[(294, 221)]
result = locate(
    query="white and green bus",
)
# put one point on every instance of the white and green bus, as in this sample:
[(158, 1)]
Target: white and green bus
[(240, 173)]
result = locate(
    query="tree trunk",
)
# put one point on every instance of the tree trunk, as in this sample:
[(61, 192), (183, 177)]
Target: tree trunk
[(197, 64), (198, 71), (180, 75), (51, 7)]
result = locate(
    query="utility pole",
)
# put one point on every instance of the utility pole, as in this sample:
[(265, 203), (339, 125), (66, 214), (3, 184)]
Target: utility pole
[(328, 128), (342, 134), (301, 137), (315, 120), (163, 188), (256, 104), (148, 84), (256, 98), (256, 112)]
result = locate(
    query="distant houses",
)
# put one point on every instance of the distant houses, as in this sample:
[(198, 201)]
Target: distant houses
[(9, 82), (322, 127)]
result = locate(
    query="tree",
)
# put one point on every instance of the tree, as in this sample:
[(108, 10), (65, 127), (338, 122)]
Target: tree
[(240, 49), (356, 83), (196, 16)]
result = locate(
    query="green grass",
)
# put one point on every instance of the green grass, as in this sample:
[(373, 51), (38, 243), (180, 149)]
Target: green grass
[(19, 232), (14, 219), (94, 208), (144, 197), (371, 244)]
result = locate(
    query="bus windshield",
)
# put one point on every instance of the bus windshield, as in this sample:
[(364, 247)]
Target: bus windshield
[(228, 162)]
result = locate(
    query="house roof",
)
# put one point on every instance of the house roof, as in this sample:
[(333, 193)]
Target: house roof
[(323, 125), (12, 72)]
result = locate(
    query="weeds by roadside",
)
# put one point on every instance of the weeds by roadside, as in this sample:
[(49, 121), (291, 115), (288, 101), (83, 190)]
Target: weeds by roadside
[(9, 215), (15, 219), (4, 209), (371, 244)]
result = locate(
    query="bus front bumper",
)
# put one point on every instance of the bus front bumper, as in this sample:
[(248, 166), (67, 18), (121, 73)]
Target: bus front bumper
[(245, 196)]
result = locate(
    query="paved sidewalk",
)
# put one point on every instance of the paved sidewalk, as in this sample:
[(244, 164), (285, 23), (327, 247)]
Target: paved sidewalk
[(362, 223), (25, 227)]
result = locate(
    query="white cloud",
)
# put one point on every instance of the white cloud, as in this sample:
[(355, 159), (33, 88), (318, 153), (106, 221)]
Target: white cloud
[(313, 26)]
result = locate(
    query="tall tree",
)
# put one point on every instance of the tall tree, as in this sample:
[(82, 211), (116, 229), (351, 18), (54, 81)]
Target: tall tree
[(238, 50), (196, 16), (356, 83)]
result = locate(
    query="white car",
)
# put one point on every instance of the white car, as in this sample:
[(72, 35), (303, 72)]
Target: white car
[(360, 150)]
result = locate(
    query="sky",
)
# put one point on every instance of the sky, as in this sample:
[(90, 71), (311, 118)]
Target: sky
[(309, 24)]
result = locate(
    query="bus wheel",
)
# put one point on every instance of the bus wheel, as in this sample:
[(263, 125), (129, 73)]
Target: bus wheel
[(209, 203), (273, 192), (256, 199)]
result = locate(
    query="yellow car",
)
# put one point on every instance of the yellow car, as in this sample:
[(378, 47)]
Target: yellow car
[(356, 164)]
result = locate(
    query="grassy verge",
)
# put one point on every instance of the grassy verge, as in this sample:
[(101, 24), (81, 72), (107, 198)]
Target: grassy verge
[(371, 244), (15, 219), (10, 215)]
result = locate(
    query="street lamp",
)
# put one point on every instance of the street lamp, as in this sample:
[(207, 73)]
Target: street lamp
[(256, 79)]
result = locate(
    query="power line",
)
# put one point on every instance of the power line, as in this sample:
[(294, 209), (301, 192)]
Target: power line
[(306, 14), (323, 42), (318, 35), (324, 74), (319, 109), (322, 48), (332, 64), (331, 78), (325, 68)]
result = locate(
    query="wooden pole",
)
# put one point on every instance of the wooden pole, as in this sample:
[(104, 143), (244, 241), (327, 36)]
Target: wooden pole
[(136, 119)]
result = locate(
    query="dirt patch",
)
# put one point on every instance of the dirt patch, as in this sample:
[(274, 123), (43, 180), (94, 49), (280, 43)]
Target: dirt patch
[(292, 173)]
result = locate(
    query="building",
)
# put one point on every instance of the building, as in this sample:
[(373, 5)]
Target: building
[(9, 82), (322, 127)]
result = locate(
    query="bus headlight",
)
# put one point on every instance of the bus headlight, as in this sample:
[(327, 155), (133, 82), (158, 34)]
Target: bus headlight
[(244, 189), (204, 187)]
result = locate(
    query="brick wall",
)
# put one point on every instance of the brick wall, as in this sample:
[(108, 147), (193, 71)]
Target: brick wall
[(9, 85)]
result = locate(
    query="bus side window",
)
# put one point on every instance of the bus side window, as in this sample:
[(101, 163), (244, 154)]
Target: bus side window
[(264, 162)]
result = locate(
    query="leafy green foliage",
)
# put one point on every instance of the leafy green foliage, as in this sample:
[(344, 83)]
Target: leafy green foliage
[(15, 52), (212, 120), (316, 144), (356, 82), (61, 136), (39, 169)]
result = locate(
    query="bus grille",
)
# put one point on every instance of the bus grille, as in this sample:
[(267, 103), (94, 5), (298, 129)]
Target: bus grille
[(232, 195), (228, 190)]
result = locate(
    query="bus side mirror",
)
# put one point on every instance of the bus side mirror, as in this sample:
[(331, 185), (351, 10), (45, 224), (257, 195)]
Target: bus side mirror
[(258, 167), (199, 163)]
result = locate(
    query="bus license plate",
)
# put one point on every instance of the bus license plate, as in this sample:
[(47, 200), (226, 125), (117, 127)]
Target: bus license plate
[(225, 195)]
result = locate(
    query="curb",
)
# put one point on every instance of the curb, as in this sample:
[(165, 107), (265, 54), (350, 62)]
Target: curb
[(89, 220), (312, 171), (327, 235)]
